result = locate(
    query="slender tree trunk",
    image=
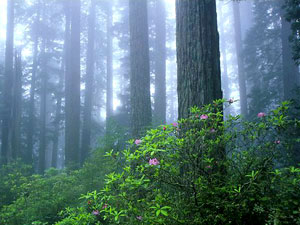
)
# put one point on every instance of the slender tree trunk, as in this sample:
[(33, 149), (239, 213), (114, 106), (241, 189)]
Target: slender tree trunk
[(109, 65), (43, 108), (198, 56), (290, 69), (89, 88), (8, 84), (31, 114), (140, 68), (16, 109), (160, 62), (239, 48), (72, 131)]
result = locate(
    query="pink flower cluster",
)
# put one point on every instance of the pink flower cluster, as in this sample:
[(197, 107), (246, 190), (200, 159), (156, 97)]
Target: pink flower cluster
[(153, 161), (138, 141), (204, 117), (261, 114), (96, 212)]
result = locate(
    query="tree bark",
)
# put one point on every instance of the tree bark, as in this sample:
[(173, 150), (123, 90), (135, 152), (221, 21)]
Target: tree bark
[(160, 62), (139, 66), (89, 89), (198, 56), (8, 84), (72, 131)]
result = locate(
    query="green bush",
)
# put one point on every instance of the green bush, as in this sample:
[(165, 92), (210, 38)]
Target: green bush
[(37, 199), (203, 170)]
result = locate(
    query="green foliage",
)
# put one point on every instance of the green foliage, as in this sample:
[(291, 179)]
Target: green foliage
[(202, 170), (38, 199)]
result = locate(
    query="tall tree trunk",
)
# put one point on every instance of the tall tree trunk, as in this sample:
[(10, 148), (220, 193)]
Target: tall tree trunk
[(109, 65), (239, 48), (43, 107), (8, 84), (140, 68), (198, 56), (31, 114), (72, 131), (89, 88), (16, 109), (64, 63), (290, 69), (160, 62)]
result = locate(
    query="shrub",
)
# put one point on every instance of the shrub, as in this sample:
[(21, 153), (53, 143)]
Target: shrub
[(203, 170)]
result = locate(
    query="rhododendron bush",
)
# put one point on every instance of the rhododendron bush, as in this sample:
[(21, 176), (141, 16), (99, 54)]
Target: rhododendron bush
[(203, 170)]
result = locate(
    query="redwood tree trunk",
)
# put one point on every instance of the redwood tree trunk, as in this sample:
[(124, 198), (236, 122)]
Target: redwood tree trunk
[(140, 69), (72, 131), (198, 56), (87, 111)]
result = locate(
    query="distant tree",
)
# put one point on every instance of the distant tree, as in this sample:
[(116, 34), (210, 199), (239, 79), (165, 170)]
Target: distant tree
[(72, 107), (43, 109), (223, 50), (8, 84), (109, 62), (17, 107), (89, 87), (292, 8), (160, 62), (198, 57), (262, 56), (31, 114), (290, 69), (139, 66), (239, 49)]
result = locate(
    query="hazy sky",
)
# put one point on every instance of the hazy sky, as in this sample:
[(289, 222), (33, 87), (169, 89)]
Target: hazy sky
[(2, 18)]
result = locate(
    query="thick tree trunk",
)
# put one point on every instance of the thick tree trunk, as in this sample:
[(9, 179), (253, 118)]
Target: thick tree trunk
[(8, 84), (239, 48), (290, 69), (16, 109), (140, 69), (72, 131), (160, 62), (89, 90), (109, 65), (198, 56)]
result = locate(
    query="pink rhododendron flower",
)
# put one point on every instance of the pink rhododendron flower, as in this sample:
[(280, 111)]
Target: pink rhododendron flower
[(164, 128), (138, 141), (261, 114), (277, 142), (139, 217), (104, 206), (175, 124), (96, 212), (230, 101), (153, 162), (204, 117)]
